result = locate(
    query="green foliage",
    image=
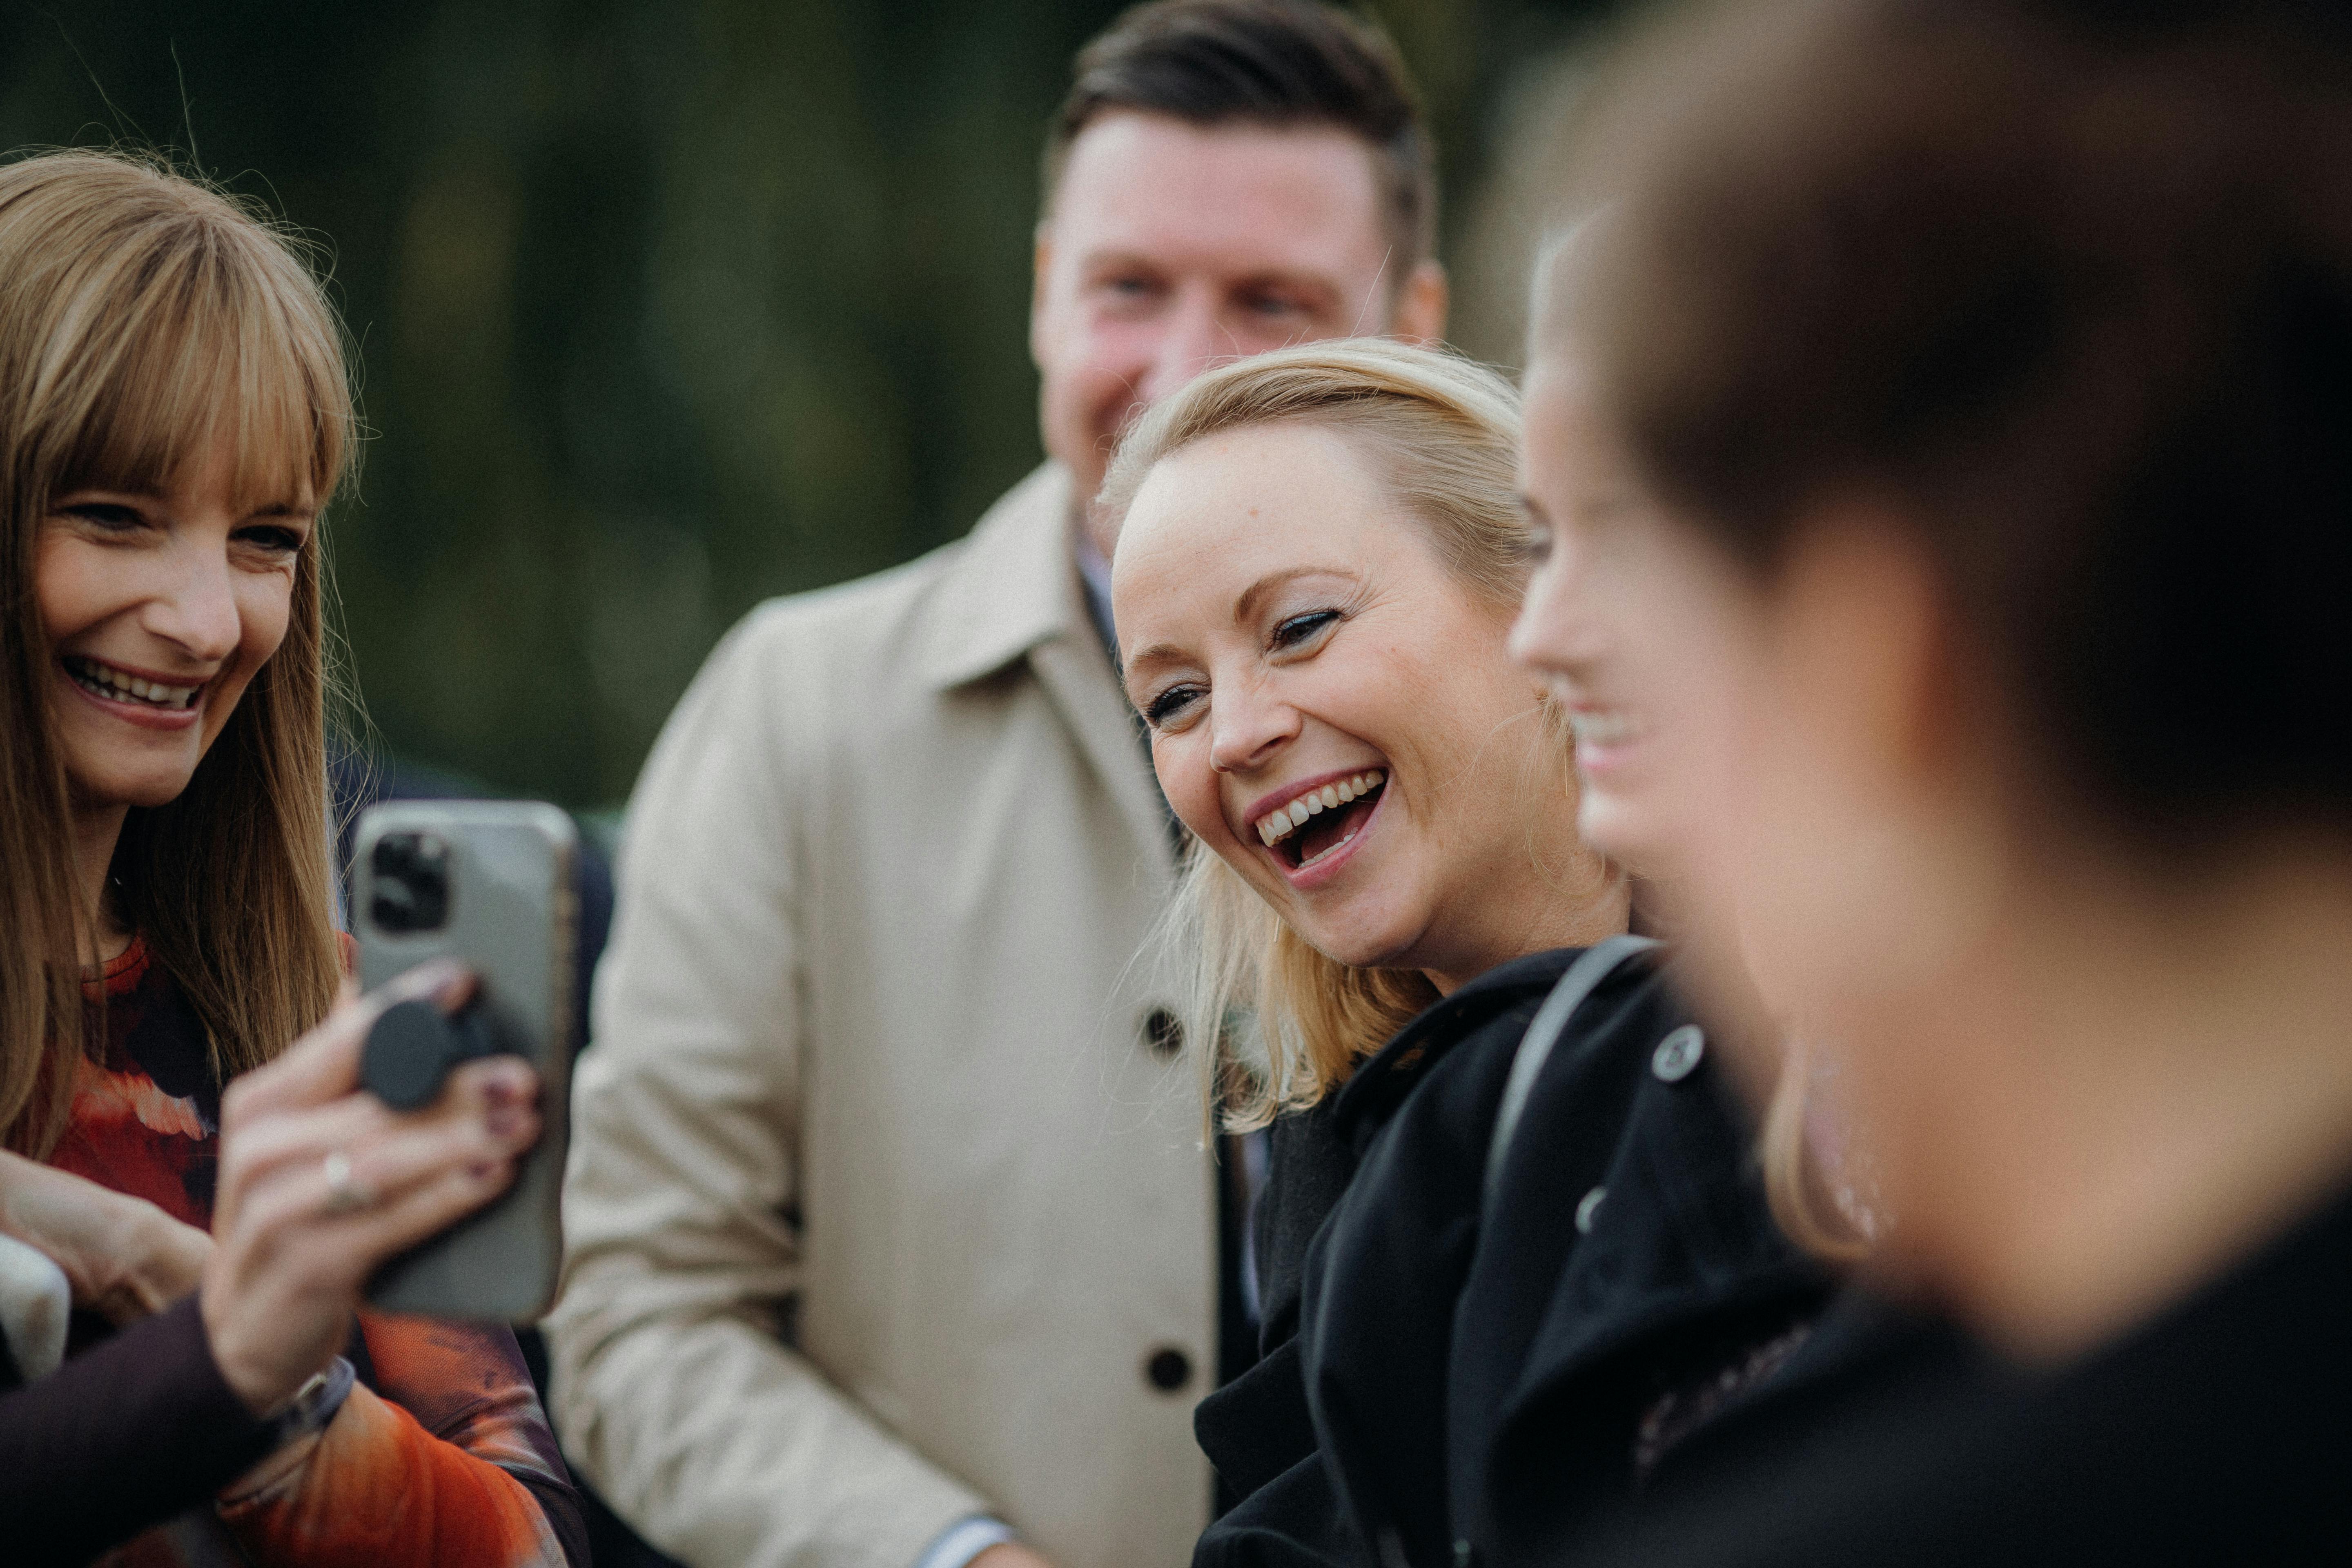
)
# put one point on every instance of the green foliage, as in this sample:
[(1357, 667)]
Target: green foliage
[(662, 308)]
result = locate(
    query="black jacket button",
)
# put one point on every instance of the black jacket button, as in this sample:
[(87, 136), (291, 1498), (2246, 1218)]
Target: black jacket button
[(1678, 1054), (1168, 1369), (1163, 1032)]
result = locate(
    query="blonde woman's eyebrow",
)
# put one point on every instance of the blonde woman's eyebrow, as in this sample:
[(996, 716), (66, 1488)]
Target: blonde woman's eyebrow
[(1157, 654), (1245, 607)]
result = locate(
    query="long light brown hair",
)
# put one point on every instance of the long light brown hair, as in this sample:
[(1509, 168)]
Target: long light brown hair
[(1444, 435), (147, 320)]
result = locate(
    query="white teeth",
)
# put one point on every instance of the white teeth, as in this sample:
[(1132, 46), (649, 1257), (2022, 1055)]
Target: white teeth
[(1601, 729), (108, 682), (1283, 820)]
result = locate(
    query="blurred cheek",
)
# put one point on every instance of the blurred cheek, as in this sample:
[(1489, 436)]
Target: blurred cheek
[(1688, 669)]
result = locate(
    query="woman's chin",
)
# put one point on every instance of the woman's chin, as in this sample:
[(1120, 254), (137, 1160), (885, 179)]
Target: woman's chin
[(1384, 942), (146, 787), (1626, 830)]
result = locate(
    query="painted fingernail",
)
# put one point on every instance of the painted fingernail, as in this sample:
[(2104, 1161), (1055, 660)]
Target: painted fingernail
[(508, 1083)]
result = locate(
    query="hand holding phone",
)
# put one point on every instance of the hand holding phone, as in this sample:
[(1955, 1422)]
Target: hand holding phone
[(488, 883)]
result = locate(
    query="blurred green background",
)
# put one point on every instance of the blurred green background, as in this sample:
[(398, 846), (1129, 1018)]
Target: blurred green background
[(665, 308)]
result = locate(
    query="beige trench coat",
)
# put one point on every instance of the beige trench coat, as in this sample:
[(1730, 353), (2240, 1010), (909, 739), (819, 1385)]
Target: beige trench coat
[(880, 1202)]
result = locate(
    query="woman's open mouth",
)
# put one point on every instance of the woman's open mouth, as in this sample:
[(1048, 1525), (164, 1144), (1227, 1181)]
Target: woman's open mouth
[(103, 680), (1318, 823)]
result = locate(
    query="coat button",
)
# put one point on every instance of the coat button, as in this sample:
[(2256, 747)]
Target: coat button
[(1677, 1054), (1163, 1032), (1168, 1369), (1588, 1206)]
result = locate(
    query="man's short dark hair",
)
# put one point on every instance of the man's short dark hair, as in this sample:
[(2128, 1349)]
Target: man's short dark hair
[(1282, 64)]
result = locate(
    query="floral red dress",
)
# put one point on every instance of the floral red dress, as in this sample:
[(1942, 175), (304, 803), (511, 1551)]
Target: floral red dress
[(441, 1454)]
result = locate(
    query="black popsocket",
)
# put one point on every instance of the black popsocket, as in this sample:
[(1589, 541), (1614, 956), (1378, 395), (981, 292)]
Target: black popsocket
[(414, 1045)]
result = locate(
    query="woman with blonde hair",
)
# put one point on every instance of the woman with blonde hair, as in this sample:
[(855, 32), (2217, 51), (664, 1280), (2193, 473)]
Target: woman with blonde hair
[(1511, 1235), (174, 416)]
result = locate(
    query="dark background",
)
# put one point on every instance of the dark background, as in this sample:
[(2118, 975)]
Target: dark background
[(665, 308)]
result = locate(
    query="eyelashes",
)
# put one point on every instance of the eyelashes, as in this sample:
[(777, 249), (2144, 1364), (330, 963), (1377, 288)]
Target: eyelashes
[(1300, 629), (1291, 634), (1169, 704)]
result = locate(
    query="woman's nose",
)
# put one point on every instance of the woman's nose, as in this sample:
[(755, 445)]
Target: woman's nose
[(1248, 729), (196, 607)]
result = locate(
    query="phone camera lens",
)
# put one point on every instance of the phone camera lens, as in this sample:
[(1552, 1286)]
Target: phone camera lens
[(412, 882)]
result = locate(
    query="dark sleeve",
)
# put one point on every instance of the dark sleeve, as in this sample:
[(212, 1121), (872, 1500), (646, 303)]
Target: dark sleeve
[(121, 1438)]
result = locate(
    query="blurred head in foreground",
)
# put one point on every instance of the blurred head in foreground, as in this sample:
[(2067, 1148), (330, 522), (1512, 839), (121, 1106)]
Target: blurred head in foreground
[(1941, 439), (173, 416), (1319, 555), (1226, 177)]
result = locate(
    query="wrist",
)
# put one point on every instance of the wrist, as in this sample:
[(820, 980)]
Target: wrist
[(156, 1275), (258, 1379)]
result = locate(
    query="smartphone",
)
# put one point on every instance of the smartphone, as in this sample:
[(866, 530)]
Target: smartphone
[(490, 883)]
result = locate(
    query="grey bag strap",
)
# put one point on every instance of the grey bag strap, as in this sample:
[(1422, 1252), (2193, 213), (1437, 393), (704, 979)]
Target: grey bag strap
[(1592, 966)]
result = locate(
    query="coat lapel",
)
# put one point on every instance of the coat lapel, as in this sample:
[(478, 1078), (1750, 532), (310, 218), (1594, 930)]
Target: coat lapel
[(1013, 595)]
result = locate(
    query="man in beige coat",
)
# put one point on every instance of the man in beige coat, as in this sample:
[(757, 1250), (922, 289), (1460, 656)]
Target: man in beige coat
[(892, 1241)]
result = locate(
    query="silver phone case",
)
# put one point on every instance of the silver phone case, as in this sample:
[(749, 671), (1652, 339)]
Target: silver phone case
[(512, 903)]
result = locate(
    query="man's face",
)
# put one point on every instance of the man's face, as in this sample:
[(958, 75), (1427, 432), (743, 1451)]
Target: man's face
[(1171, 248)]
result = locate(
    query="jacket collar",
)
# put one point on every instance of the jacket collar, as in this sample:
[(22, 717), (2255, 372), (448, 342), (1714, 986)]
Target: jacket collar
[(1012, 595), (1013, 586), (1380, 1083)]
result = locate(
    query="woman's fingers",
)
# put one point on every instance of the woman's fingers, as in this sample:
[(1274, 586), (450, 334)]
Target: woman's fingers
[(487, 1109), (381, 1168), (426, 1208), (324, 1064)]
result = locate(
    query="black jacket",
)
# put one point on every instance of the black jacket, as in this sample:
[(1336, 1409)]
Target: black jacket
[(1494, 1378), (2214, 1433)]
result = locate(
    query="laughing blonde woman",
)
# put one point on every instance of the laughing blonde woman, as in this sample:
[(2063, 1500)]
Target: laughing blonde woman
[(1507, 1243)]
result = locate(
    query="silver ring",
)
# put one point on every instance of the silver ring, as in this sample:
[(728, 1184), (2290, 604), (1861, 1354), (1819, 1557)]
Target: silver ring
[(343, 1194)]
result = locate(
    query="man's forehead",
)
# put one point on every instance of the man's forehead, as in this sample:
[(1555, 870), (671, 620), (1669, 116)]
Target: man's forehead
[(1236, 194)]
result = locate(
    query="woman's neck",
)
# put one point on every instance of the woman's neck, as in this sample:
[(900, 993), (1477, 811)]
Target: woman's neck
[(95, 831), (2121, 1096), (1557, 920)]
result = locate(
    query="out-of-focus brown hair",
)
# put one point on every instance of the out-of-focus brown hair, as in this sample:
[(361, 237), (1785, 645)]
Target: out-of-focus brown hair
[(1284, 63), (147, 320), (2069, 290)]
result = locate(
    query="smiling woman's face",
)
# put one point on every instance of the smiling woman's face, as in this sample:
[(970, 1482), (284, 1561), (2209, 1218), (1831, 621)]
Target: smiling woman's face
[(1333, 713), (1633, 623), (159, 608)]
